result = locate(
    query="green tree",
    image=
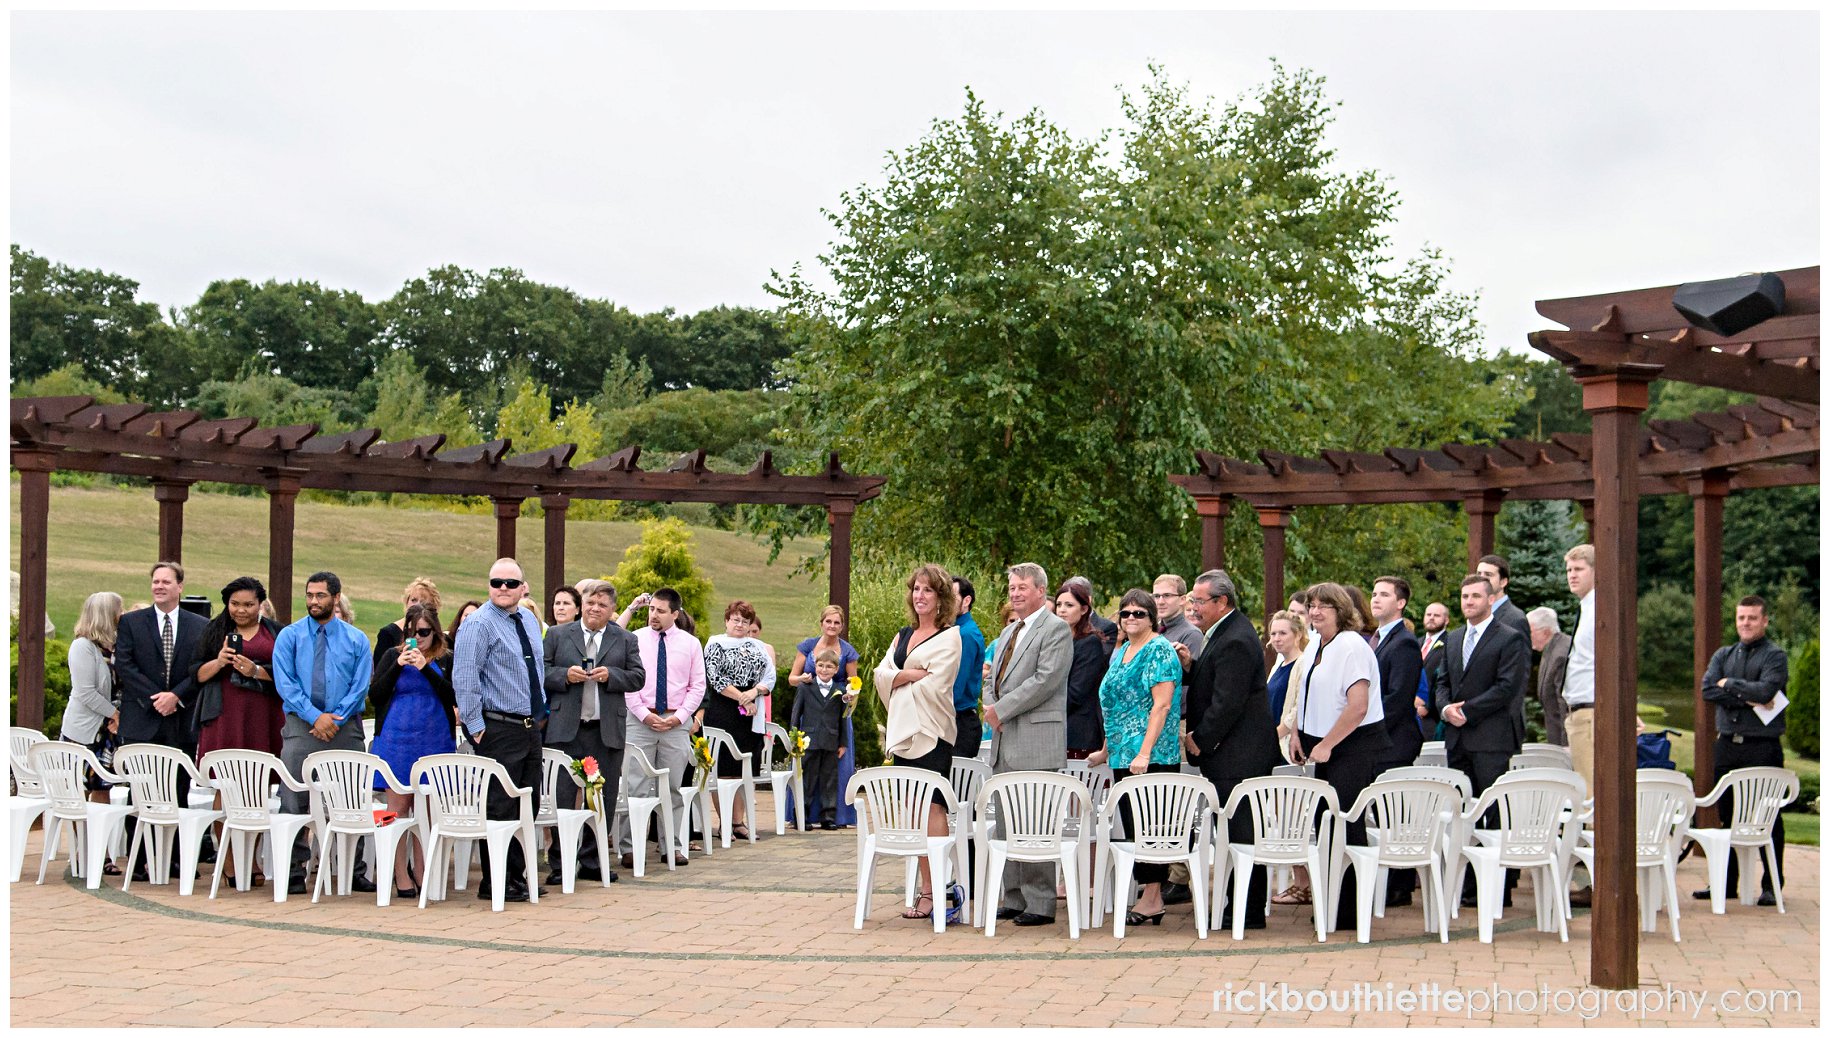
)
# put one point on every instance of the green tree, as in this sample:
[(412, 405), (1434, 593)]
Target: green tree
[(69, 380), (1549, 401), (1029, 333), (276, 400), (732, 424), (1533, 535), (317, 337), (732, 347), (664, 558), (1803, 715), (405, 406)]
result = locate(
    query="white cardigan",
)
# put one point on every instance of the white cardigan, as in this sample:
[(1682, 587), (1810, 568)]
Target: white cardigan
[(920, 713)]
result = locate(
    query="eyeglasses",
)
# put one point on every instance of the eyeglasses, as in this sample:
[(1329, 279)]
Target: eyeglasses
[(1133, 614), (1160, 595), (1203, 601), (424, 632), (510, 583)]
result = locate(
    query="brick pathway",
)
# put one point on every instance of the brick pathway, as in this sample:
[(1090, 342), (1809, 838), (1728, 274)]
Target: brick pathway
[(762, 936)]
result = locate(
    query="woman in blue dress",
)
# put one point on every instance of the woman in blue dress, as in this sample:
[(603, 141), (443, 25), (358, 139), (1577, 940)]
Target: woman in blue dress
[(415, 714), (801, 677), (1140, 695)]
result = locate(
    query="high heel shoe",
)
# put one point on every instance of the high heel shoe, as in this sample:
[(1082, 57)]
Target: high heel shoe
[(1139, 919)]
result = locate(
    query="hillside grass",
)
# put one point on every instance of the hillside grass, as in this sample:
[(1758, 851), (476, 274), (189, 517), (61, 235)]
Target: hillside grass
[(105, 538)]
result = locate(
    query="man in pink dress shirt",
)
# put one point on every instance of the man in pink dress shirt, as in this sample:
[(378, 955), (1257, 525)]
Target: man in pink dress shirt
[(661, 711)]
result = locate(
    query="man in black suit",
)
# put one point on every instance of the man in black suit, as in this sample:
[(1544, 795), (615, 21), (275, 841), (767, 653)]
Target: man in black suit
[(152, 661), (1480, 693), (1400, 667), (1229, 716), (588, 712), (1499, 575)]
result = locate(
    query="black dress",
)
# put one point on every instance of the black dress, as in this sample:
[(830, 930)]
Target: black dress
[(740, 663)]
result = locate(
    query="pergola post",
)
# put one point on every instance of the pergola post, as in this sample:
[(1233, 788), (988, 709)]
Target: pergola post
[(1614, 399), (838, 554), (1213, 510), (35, 468), (1708, 494), (553, 510), (508, 509), (1482, 509), (282, 503), (1587, 504), (1273, 521), (171, 495)]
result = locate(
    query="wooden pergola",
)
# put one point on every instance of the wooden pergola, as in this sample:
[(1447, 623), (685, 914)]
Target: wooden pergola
[(1615, 345), (175, 449)]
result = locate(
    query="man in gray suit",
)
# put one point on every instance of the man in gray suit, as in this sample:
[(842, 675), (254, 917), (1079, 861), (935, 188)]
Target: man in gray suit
[(590, 664), (1552, 647), (1026, 706)]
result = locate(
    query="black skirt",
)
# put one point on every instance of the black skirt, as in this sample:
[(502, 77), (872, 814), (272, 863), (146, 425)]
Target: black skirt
[(938, 760)]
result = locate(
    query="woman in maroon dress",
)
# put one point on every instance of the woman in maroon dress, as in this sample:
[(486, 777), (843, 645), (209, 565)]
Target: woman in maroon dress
[(238, 707)]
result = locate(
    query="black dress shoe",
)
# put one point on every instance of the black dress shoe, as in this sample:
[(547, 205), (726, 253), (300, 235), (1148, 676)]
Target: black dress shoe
[(556, 877), (1032, 919), (1177, 894), (1766, 899), (1226, 922), (410, 894), (296, 885), (1008, 913), (610, 876), (1584, 898), (829, 826), (589, 872), (362, 885), (1703, 895)]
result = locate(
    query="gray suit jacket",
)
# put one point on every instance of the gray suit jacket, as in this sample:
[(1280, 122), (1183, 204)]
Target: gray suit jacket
[(1032, 698), (564, 648)]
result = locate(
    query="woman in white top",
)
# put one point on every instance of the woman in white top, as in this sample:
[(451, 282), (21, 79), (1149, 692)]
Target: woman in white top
[(93, 716), (915, 682), (1340, 721)]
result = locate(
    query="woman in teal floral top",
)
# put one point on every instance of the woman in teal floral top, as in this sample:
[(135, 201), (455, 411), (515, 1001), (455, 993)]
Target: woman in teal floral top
[(1141, 692)]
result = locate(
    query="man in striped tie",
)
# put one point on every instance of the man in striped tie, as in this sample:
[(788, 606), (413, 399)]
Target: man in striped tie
[(152, 660)]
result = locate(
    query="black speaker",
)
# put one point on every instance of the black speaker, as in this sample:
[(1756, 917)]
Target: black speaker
[(1732, 305), (199, 604)]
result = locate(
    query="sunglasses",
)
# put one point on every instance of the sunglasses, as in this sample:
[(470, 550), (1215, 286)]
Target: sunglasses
[(510, 583), (1133, 614), (423, 632)]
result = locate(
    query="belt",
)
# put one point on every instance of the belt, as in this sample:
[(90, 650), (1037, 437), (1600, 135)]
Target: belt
[(1573, 707), (521, 719), (1739, 738)]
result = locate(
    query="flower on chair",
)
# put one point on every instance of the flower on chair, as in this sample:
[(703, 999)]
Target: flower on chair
[(585, 772)]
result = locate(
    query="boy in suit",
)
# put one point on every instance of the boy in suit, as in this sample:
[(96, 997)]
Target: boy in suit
[(819, 711)]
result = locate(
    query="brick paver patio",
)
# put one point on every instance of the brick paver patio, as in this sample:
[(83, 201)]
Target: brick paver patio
[(762, 936)]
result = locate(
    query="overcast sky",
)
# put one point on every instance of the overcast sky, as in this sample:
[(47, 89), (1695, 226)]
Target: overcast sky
[(664, 160)]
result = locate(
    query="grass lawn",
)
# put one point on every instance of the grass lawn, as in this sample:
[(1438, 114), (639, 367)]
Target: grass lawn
[(104, 539)]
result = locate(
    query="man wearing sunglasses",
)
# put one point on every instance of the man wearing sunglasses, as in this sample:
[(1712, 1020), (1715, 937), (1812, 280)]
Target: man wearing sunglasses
[(499, 676)]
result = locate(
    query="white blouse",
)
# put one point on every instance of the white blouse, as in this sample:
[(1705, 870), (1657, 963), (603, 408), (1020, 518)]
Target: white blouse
[(1335, 668)]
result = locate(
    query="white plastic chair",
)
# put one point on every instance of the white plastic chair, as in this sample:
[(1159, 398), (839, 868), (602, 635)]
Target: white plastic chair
[(1534, 818), (1035, 810), (1760, 794), (637, 811), (1540, 759), (729, 787), (780, 779), (966, 775), (1548, 749), (1584, 853), (1405, 825), (152, 774), (456, 791), (1433, 755), (59, 766), (569, 823), (1170, 817), (1662, 819), (1098, 780), (246, 779), (27, 801), (1286, 814), (893, 820), (344, 781), (696, 800)]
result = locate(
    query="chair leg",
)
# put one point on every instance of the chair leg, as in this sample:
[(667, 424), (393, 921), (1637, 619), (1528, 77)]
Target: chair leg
[(910, 874), (603, 852), (937, 902), (133, 856), (992, 878), (1197, 867), (1772, 861), (866, 865), (497, 850), (1487, 896), (1718, 877), (1123, 867), (1076, 893), (1242, 875), (1102, 867)]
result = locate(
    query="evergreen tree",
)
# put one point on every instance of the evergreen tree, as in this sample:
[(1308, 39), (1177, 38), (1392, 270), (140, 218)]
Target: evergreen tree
[(1533, 535)]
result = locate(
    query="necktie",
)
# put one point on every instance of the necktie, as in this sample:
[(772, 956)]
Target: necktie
[(165, 644), (536, 700), (1427, 640), (660, 672), (320, 643), (997, 683), (587, 710), (1467, 646)]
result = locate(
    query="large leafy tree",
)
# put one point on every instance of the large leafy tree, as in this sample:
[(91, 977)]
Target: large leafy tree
[(324, 338), (1029, 333)]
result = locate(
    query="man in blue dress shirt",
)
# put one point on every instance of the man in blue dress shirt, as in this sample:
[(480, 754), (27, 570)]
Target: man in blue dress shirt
[(321, 667), (970, 682)]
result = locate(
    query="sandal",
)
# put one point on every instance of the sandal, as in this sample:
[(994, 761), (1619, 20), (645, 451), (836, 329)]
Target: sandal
[(740, 832), (111, 869), (913, 913), (1296, 895)]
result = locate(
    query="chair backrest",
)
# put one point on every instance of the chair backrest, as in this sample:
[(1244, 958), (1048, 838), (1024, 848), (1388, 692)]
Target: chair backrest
[(772, 734), (1407, 814), (457, 790), (246, 779), (1566, 776), (1034, 808), (1759, 794), (152, 774), (1547, 747), (1166, 811), (1532, 820), (1431, 773), (642, 764), (1285, 812), (896, 801), (553, 764), (1433, 754), (1096, 777), (19, 745), (1662, 816), (968, 775), (720, 737), (1539, 759), (345, 783), (59, 766)]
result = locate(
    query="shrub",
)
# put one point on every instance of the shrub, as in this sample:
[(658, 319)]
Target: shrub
[(1802, 691), (56, 679), (664, 558)]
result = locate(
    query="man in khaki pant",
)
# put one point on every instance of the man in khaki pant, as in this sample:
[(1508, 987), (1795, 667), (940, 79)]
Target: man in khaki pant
[(1579, 679)]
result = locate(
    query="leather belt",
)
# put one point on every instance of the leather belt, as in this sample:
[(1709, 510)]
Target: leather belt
[(521, 719), (1573, 707)]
